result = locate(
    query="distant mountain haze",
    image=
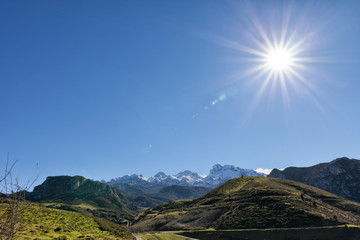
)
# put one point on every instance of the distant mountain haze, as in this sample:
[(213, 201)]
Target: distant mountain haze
[(218, 175)]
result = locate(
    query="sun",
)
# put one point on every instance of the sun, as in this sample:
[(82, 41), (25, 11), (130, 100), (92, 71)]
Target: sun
[(276, 65), (276, 59), (279, 59)]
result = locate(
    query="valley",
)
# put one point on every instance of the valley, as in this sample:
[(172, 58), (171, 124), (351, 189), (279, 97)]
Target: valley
[(263, 207), (180, 119)]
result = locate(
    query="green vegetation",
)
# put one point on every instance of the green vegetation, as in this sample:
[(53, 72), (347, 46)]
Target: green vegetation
[(39, 222), (253, 202), (159, 236), (82, 195), (91, 210), (348, 232)]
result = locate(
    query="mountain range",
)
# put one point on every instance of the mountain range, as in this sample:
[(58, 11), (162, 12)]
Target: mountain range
[(228, 197), (161, 188), (218, 175)]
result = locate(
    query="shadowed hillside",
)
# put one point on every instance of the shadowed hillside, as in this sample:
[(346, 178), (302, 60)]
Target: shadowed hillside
[(253, 202), (184, 192), (140, 196)]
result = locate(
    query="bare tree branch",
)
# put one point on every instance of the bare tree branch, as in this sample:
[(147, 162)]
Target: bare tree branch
[(14, 202)]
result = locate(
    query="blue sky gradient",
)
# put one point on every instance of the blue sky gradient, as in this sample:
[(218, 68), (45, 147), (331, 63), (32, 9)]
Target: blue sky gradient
[(108, 88)]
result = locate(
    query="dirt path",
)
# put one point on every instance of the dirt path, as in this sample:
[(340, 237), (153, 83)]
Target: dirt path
[(167, 233), (181, 236)]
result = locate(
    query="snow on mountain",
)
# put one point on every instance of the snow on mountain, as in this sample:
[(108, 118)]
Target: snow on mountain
[(189, 177), (159, 177), (230, 171), (218, 175), (133, 179), (263, 171), (185, 178)]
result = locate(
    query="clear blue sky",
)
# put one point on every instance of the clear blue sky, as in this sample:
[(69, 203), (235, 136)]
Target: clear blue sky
[(108, 88)]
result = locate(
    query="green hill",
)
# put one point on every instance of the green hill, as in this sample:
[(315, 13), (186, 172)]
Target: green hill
[(253, 202), (82, 195), (39, 222)]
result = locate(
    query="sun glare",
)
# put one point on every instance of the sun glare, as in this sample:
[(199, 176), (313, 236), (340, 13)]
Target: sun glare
[(279, 59), (276, 59)]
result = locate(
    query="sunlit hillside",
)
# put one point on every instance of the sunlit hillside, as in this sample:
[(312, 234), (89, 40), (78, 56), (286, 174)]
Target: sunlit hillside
[(39, 222)]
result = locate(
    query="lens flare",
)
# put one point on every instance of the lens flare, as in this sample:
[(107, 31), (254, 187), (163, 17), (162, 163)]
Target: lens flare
[(275, 59)]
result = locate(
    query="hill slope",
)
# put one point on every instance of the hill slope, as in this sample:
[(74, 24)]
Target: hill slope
[(140, 197), (184, 192), (82, 195), (39, 222), (253, 202), (341, 177)]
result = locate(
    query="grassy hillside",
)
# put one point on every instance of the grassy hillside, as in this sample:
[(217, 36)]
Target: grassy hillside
[(39, 222), (253, 202), (82, 195)]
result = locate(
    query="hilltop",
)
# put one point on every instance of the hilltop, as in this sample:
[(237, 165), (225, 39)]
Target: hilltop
[(253, 202)]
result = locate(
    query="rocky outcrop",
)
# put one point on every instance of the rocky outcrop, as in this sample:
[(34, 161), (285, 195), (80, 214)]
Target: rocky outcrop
[(341, 176), (77, 190)]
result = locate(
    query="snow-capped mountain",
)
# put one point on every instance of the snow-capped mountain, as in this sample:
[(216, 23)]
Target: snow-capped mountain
[(133, 179), (265, 171), (189, 177), (218, 175), (159, 177), (230, 171)]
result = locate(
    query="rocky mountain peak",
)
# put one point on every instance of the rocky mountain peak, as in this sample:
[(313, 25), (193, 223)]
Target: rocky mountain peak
[(340, 176), (160, 175), (231, 171), (218, 175), (188, 173), (70, 188)]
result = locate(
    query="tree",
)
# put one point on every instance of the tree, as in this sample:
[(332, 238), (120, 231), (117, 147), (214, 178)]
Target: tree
[(12, 202)]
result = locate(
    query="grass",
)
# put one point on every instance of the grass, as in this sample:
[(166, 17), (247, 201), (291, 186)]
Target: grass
[(86, 206), (91, 210), (39, 222), (253, 203), (159, 236)]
